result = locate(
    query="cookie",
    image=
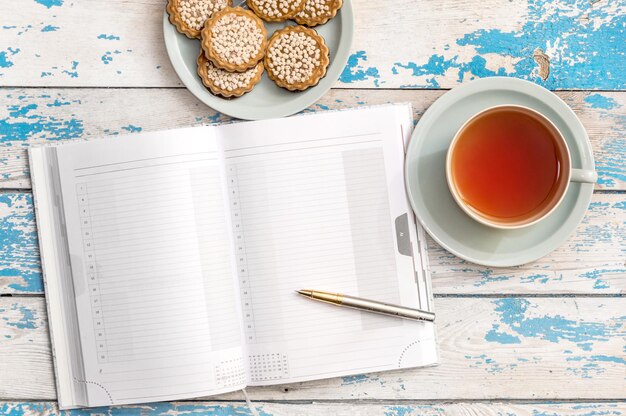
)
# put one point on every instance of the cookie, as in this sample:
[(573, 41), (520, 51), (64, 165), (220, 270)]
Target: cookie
[(225, 83), (189, 15), (276, 10), (317, 12), (234, 39), (296, 58)]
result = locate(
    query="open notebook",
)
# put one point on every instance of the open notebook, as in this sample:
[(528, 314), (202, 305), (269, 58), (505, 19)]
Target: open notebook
[(171, 259)]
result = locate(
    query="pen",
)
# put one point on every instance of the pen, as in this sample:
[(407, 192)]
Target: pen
[(368, 305)]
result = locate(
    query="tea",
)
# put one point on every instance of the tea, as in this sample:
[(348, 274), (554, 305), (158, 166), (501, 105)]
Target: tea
[(506, 164)]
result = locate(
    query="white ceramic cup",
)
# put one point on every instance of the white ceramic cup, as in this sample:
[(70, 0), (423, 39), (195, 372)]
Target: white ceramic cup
[(571, 175)]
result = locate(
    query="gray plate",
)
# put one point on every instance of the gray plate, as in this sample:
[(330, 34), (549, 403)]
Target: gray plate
[(266, 100), (433, 203)]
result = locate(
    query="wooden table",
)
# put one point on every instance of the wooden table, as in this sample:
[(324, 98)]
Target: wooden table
[(546, 338)]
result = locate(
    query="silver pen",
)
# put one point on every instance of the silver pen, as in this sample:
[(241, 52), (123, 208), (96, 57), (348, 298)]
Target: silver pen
[(368, 305)]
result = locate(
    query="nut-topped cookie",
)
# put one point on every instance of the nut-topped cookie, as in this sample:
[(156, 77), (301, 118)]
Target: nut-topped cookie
[(296, 58), (189, 15), (234, 39), (276, 10), (225, 83), (317, 12)]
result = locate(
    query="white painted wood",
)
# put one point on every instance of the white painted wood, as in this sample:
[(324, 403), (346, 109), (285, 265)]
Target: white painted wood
[(120, 43), (491, 348), (591, 261), (515, 348), (335, 409), (584, 264), (30, 116)]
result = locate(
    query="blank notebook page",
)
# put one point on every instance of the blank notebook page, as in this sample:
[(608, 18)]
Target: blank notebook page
[(313, 201), (150, 226)]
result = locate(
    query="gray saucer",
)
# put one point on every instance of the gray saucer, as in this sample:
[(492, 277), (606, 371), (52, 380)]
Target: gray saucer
[(438, 212), (266, 100)]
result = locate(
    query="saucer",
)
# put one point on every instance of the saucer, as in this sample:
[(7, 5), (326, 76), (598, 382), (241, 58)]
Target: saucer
[(447, 224)]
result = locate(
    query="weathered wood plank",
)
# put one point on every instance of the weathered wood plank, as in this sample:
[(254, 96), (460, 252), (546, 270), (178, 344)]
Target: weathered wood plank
[(29, 116), (513, 348), (435, 44), (321, 409), (591, 261), (20, 267)]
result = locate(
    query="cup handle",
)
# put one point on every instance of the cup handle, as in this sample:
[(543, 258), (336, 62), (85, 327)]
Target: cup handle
[(584, 176)]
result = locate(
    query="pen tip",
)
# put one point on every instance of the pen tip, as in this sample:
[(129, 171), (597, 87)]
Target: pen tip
[(304, 292)]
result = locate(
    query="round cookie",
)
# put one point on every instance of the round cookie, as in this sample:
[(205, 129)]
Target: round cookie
[(189, 15), (234, 39), (225, 83), (318, 12), (296, 58), (276, 10)]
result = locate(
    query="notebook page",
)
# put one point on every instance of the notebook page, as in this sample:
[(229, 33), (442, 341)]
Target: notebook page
[(150, 246), (315, 202)]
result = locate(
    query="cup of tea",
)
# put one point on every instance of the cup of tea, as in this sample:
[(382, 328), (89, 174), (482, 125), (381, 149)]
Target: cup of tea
[(509, 167)]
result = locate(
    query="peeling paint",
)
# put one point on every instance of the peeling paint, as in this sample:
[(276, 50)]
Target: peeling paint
[(355, 71), (500, 337), (597, 275), (516, 320), (538, 278), (148, 409), (593, 365), (50, 3), (132, 129), (351, 380), (108, 37), (19, 254), (28, 319), (602, 102), (50, 28), (107, 58), (72, 73), (27, 121), (5, 61), (486, 276), (488, 364), (561, 29)]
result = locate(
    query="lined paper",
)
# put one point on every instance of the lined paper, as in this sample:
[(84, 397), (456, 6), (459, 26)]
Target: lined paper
[(299, 231), (156, 271), (314, 202)]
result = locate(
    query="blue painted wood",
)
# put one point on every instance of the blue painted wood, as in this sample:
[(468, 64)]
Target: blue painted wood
[(150, 409), (585, 42), (20, 270), (434, 45), (542, 408)]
